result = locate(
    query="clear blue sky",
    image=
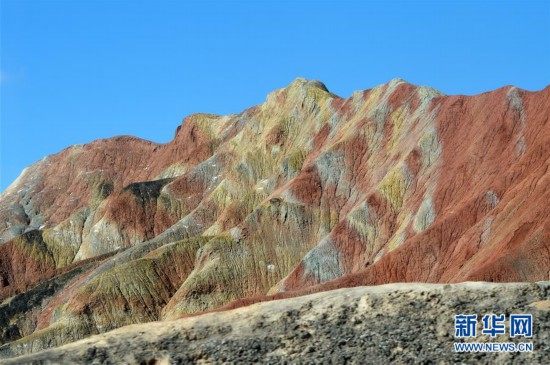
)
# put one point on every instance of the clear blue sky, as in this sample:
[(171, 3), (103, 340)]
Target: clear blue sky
[(74, 71)]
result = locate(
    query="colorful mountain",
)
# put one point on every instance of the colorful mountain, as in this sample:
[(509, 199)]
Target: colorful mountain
[(306, 192)]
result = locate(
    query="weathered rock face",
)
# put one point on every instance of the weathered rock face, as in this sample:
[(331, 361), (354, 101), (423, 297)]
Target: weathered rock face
[(393, 323), (305, 192)]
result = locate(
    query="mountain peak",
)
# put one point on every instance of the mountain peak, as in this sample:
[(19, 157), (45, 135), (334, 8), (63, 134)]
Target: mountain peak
[(303, 82), (398, 80)]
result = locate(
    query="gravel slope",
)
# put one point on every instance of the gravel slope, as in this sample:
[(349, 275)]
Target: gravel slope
[(398, 323)]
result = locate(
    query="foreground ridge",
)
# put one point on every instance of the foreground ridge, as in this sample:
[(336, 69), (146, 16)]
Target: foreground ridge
[(354, 324)]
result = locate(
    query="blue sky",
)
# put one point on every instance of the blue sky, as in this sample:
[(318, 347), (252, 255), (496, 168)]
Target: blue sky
[(75, 71)]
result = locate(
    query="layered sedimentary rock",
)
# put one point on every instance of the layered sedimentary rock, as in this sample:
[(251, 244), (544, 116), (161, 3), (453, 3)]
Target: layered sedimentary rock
[(305, 192)]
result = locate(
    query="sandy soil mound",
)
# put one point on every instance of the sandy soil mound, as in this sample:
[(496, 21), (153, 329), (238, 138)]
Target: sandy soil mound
[(398, 323)]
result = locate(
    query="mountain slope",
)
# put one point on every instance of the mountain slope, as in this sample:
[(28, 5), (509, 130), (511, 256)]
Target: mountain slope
[(305, 192)]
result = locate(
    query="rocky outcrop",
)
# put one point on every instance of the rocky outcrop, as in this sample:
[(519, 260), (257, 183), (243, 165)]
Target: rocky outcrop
[(397, 323), (305, 192)]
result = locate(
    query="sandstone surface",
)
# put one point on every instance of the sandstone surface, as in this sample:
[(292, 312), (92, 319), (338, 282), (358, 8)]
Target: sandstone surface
[(397, 323)]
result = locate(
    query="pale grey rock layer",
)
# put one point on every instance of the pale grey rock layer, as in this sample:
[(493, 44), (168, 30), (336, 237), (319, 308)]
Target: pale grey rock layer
[(397, 323)]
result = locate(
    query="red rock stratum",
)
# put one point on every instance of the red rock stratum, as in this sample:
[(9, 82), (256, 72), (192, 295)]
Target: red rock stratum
[(305, 192)]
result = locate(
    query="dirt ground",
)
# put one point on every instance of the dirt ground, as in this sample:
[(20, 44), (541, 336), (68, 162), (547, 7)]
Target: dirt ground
[(394, 323)]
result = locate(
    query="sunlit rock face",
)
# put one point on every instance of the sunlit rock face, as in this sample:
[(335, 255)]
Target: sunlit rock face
[(307, 191)]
